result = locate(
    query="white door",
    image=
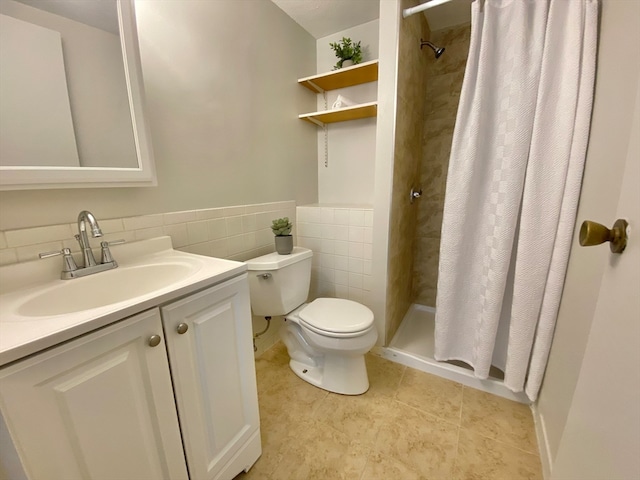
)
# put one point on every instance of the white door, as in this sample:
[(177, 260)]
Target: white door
[(601, 439), (211, 356), (98, 407)]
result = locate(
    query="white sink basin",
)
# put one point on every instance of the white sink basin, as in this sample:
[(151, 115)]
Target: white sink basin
[(105, 288), (38, 310)]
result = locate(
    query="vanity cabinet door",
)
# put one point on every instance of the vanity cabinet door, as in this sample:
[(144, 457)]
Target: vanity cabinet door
[(98, 407), (209, 338)]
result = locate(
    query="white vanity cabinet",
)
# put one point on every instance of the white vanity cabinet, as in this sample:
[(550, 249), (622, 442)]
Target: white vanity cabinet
[(98, 407), (104, 406), (211, 355)]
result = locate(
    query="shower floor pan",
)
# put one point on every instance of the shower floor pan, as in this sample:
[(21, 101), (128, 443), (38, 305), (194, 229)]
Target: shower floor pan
[(413, 346)]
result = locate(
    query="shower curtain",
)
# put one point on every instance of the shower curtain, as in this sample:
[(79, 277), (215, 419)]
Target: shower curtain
[(513, 184)]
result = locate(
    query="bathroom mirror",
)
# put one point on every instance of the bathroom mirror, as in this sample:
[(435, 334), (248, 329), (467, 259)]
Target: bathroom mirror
[(71, 96)]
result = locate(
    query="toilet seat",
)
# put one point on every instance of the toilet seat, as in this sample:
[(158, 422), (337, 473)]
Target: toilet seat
[(336, 317)]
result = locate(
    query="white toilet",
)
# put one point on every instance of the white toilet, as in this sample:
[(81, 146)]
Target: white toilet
[(327, 338)]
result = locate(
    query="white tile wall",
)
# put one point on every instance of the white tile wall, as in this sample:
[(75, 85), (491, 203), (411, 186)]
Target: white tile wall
[(237, 233), (341, 240)]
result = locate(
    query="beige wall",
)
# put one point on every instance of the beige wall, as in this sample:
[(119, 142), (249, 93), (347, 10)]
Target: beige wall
[(444, 82), (616, 81), (412, 68), (223, 101), (349, 176)]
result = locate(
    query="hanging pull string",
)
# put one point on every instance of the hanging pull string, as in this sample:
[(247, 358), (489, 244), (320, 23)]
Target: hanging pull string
[(326, 134)]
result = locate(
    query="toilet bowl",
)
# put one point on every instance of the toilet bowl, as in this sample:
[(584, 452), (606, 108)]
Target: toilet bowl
[(327, 338)]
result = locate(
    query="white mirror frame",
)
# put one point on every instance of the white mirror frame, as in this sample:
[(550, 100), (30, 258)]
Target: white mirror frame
[(23, 178)]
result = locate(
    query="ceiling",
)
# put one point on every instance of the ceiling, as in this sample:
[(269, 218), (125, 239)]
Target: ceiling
[(101, 14), (324, 17)]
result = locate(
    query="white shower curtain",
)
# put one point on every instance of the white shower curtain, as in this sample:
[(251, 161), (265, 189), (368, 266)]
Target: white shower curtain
[(513, 185)]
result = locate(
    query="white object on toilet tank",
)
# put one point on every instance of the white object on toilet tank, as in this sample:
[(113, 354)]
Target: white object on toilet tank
[(279, 283)]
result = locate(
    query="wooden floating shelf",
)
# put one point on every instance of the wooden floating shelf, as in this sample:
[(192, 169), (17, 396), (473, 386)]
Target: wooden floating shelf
[(344, 77), (355, 112)]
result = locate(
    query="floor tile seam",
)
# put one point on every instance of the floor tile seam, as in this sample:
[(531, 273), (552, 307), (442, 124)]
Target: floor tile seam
[(461, 405), (455, 458), (457, 385), (318, 404), (408, 466), (537, 454), (282, 454), (426, 413), (404, 372), (368, 445), (348, 437), (364, 469)]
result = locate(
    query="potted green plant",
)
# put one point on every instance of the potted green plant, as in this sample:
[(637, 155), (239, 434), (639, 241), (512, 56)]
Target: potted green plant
[(281, 228), (348, 52)]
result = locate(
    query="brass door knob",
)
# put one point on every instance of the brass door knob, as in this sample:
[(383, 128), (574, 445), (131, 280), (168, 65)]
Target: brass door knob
[(592, 233)]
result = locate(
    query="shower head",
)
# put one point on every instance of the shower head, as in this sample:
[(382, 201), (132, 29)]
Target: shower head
[(438, 50)]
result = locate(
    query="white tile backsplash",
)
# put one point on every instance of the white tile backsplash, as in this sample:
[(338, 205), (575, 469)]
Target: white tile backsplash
[(180, 217), (217, 228), (178, 234), (356, 217), (341, 240), (205, 232), (198, 232), (32, 236), (209, 213), (146, 233), (234, 225)]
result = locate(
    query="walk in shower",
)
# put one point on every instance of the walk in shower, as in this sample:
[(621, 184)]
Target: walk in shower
[(424, 131), (509, 213)]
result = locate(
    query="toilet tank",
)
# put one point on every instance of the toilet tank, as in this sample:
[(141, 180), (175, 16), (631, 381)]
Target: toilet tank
[(279, 283)]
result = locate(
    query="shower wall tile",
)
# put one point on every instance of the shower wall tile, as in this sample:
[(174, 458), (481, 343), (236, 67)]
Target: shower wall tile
[(340, 242), (406, 171), (444, 80), (242, 235), (452, 35), (429, 222), (456, 42)]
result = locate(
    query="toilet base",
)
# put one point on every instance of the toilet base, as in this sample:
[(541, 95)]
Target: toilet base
[(344, 375)]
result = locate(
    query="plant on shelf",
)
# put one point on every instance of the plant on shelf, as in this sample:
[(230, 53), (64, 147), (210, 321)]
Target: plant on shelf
[(281, 228), (346, 51)]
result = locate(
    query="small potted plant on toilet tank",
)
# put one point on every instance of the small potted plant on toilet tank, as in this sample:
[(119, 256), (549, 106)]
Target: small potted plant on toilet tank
[(281, 228)]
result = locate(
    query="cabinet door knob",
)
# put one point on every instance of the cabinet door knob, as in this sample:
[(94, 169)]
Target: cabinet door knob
[(154, 340), (182, 328)]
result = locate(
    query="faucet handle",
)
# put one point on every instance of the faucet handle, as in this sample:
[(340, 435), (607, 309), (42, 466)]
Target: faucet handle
[(69, 264), (106, 253), (55, 253), (113, 242)]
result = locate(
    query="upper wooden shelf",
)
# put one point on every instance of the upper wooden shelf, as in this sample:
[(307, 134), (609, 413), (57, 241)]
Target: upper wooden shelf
[(345, 77)]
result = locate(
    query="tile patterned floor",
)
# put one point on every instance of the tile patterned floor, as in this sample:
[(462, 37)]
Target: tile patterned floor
[(409, 425)]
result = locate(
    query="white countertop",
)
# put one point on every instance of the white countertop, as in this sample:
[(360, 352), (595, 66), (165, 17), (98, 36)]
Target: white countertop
[(22, 335)]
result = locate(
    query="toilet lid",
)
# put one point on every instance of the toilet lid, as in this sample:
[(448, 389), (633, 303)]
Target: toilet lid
[(336, 315)]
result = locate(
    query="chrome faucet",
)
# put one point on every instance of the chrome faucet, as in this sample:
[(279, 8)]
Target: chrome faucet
[(86, 221), (85, 217)]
